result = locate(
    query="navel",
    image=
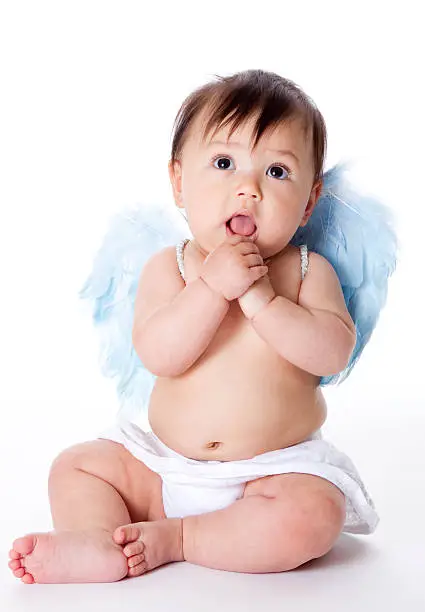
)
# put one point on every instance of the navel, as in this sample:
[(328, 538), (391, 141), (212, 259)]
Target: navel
[(213, 445)]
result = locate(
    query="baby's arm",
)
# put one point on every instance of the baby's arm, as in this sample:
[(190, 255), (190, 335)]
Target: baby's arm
[(317, 334), (173, 326)]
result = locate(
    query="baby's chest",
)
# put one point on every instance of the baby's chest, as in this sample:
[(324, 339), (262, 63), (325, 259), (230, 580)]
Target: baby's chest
[(238, 354)]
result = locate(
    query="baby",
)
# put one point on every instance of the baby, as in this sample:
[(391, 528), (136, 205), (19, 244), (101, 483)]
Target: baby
[(238, 326)]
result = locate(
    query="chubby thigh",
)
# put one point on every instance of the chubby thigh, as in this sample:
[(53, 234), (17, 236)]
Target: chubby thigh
[(139, 487)]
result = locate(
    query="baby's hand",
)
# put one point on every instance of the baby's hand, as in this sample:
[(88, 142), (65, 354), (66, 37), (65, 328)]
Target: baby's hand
[(233, 267)]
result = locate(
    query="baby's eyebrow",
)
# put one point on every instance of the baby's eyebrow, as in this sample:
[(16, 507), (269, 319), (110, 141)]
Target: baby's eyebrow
[(238, 144), (285, 152)]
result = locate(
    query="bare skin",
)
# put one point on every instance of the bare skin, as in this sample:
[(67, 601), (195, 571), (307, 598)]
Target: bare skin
[(96, 555), (232, 428), (95, 488), (68, 556), (156, 543)]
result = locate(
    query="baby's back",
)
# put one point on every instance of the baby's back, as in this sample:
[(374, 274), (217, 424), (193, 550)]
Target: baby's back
[(240, 398)]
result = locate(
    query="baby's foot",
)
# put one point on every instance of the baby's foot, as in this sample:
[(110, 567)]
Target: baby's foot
[(68, 556), (150, 544)]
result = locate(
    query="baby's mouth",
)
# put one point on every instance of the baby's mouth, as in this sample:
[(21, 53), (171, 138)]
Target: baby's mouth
[(243, 225)]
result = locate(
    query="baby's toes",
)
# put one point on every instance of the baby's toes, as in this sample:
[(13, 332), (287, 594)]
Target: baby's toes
[(25, 545), (138, 569), (135, 560), (19, 573), (126, 533), (13, 554), (15, 564), (134, 548)]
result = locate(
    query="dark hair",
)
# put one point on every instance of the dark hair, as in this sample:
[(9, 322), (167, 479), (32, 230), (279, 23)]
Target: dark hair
[(241, 96)]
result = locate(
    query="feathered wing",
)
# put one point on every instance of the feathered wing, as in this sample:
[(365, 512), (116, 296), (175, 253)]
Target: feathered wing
[(355, 233), (132, 238)]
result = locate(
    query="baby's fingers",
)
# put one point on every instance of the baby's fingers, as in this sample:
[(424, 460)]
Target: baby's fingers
[(253, 259), (257, 272)]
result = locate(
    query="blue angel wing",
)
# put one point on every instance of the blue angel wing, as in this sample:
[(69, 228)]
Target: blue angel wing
[(132, 238), (355, 233)]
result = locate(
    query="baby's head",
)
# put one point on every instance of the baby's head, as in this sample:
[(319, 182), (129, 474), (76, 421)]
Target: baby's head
[(231, 150)]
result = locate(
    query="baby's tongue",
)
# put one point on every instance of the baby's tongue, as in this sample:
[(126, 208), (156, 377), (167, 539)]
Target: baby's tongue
[(242, 225)]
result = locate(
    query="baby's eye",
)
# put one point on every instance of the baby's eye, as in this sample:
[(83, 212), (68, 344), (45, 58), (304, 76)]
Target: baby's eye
[(279, 169), (221, 159)]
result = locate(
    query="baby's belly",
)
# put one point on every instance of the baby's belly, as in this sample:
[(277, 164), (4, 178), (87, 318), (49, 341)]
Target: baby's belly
[(228, 412)]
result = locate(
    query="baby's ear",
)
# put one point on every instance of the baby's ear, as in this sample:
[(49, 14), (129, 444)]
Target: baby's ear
[(318, 187), (312, 201), (175, 174)]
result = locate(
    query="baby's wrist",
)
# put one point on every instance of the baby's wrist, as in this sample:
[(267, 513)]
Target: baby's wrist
[(216, 293), (252, 304)]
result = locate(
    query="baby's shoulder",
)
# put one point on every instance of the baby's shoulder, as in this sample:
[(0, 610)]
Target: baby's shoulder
[(289, 259), (305, 259)]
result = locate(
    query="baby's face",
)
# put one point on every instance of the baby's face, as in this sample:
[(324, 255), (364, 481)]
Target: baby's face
[(215, 178)]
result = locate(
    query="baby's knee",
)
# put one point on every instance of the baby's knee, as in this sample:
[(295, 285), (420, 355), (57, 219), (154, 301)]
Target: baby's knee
[(98, 457), (310, 531), (320, 527), (139, 487)]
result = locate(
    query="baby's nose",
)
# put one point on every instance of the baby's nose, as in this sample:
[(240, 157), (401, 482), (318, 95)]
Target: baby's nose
[(247, 194), (248, 187)]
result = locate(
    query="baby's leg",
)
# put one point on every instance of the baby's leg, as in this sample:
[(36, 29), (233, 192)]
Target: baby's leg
[(282, 522), (93, 488)]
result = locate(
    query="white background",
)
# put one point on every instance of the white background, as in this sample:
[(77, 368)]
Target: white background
[(89, 92)]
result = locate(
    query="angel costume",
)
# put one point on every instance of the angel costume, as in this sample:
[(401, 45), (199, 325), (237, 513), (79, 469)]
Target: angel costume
[(354, 233)]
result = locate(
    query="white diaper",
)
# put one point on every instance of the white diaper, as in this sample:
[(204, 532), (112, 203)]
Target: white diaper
[(192, 487)]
